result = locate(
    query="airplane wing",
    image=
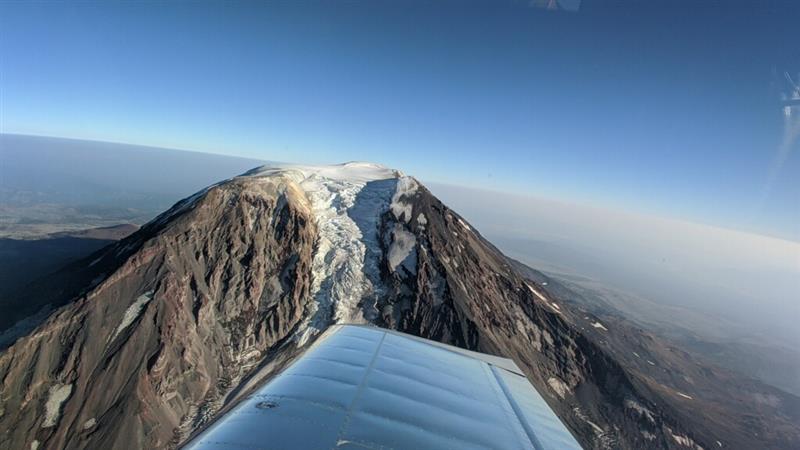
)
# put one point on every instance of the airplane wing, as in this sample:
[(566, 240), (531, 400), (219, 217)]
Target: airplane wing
[(361, 387)]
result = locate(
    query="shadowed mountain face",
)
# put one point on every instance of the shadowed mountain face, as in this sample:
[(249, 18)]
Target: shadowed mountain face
[(26, 261), (160, 331)]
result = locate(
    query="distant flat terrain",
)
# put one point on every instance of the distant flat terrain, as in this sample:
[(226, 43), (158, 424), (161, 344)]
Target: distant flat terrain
[(50, 184), (726, 295), (45, 220), (27, 261)]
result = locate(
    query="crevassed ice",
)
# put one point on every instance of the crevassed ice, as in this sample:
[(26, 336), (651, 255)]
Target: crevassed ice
[(345, 265)]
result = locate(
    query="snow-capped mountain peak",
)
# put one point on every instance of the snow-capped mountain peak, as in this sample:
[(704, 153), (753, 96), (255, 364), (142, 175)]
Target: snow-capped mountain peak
[(347, 202), (354, 171), (225, 288)]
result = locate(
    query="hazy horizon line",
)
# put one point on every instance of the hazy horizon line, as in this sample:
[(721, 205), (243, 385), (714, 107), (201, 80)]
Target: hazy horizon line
[(566, 201)]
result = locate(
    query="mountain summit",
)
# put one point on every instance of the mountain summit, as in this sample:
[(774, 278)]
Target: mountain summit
[(160, 331)]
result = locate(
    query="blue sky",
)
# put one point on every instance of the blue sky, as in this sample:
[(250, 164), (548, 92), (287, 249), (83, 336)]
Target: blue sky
[(670, 111)]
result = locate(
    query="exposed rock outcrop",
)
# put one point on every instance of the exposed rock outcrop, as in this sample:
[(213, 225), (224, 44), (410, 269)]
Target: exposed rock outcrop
[(188, 306), (231, 282)]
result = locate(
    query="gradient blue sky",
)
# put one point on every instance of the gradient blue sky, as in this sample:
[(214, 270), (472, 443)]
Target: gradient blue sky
[(664, 110)]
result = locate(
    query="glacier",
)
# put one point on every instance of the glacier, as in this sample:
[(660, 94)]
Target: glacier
[(347, 203)]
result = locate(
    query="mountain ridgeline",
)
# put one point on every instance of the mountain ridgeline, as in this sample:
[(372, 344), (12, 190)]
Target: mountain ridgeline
[(172, 324)]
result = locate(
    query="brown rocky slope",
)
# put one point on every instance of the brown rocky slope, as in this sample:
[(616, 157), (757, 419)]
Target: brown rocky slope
[(178, 316)]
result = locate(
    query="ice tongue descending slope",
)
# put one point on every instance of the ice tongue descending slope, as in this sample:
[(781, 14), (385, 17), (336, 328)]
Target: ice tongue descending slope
[(347, 202)]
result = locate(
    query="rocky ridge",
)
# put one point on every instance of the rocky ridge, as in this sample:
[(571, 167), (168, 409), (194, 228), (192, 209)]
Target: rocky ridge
[(233, 281)]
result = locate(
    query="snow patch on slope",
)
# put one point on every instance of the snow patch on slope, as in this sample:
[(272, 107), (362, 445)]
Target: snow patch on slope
[(403, 250), (406, 187), (558, 386), (537, 293), (58, 394), (683, 440), (541, 297), (598, 431), (422, 220), (132, 313)]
